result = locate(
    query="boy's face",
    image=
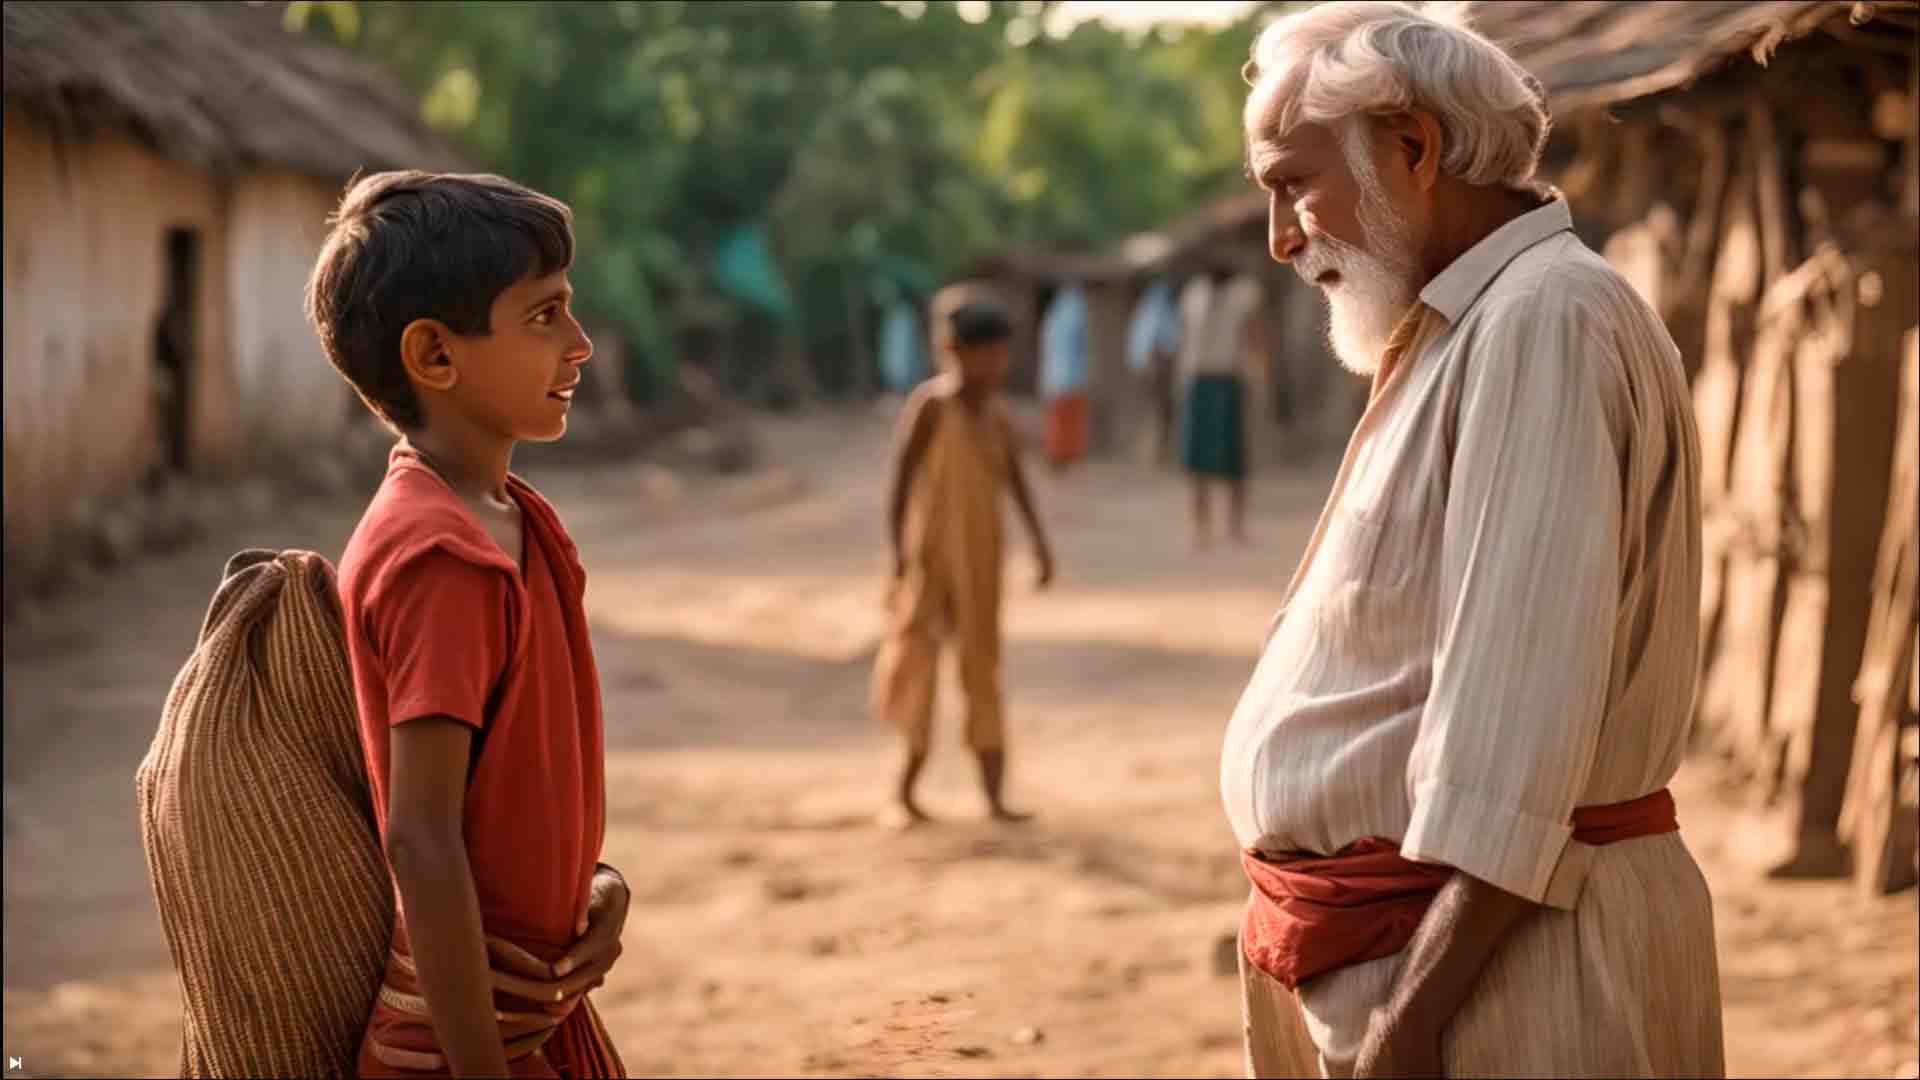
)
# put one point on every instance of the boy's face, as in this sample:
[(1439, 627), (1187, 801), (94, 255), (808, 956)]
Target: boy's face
[(517, 382), (982, 366)]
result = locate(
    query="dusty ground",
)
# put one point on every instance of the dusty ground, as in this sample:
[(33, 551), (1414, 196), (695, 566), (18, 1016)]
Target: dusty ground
[(774, 931)]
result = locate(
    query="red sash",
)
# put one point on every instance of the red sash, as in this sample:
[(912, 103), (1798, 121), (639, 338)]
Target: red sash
[(1313, 913)]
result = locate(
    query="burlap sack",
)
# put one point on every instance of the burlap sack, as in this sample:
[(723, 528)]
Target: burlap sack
[(259, 831)]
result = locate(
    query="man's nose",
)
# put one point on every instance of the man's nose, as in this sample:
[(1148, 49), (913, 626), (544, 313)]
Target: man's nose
[(1284, 235)]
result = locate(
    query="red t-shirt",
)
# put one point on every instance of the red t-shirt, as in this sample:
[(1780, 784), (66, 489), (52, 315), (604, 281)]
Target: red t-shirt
[(441, 622)]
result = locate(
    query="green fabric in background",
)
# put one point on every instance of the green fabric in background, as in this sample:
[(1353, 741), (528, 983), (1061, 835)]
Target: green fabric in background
[(744, 269)]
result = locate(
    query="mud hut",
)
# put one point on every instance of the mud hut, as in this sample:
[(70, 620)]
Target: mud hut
[(1754, 168), (169, 169), (1301, 402)]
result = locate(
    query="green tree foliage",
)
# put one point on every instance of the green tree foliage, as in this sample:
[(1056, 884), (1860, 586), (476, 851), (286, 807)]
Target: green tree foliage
[(882, 145)]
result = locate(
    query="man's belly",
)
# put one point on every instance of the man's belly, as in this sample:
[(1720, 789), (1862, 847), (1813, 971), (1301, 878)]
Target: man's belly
[(1315, 756)]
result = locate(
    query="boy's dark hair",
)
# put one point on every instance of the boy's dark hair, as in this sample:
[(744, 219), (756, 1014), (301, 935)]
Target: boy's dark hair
[(415, 245), (979, 322)]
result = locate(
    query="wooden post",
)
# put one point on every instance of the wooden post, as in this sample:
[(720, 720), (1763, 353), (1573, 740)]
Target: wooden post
[(1733, 699), (1687, 312), (1846, 369), (1910, 145), (1717, 390), (1110, 390), (1022, 297), (1879, 818)]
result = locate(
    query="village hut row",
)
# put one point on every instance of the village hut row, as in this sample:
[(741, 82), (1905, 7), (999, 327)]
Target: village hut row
[(169, 171)]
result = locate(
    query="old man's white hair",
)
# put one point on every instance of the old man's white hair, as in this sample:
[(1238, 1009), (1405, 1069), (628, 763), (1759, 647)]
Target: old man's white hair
[(1351, 58)]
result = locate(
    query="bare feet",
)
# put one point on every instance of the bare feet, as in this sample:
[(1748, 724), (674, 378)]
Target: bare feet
[(905, 813), (1009, 817), (902, 816)]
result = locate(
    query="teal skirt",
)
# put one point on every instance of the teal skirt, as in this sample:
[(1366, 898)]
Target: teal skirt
[(1211, 439)]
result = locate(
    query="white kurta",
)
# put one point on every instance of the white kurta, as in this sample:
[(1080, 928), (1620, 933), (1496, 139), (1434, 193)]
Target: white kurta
[(1196, 312), (1496, 622), (1226, 334)]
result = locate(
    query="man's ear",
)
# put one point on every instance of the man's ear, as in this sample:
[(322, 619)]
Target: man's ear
[(1416, 137), (423, 351)]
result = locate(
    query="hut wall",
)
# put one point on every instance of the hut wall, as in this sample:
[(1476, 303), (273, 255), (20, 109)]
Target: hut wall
[(1881, 814), (278, 220), (1780, 246), (1845, 395), (86, 223)]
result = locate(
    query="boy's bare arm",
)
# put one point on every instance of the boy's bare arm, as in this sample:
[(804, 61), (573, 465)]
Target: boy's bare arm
[(1023, 498), (426, 843), (918, 426)]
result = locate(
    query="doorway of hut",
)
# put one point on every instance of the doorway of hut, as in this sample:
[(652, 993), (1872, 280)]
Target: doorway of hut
[(175, 343)]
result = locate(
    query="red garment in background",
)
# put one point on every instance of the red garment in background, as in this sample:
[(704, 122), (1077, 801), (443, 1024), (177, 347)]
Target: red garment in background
[(1313, 913), (441, 622), (1067, 423)]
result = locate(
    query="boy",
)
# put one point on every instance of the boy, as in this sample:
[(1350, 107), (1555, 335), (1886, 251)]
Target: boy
[(443, 300), (956, 457)]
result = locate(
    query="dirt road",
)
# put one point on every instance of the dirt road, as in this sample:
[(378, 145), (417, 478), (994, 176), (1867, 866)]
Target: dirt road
[(774, 931)]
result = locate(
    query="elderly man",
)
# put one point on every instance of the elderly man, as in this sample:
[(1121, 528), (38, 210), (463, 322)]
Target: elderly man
[(1448, 771)]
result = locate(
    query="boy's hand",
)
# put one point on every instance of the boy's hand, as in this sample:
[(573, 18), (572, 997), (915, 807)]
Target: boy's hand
[(1045, 577), (598, 931), (525, 976), (560, 985)]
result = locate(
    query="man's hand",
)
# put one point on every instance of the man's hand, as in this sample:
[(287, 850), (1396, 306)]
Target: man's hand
[(1397, 1047), (1462, 929)]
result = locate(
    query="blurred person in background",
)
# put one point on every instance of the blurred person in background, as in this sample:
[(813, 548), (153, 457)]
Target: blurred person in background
[(1218, 336), (1063, 376), (1153, 343), (903, 362), (957, 460)]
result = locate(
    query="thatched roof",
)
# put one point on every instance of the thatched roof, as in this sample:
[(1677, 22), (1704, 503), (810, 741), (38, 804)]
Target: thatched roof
[(1588, 53), (1596, 53), (222, 86)]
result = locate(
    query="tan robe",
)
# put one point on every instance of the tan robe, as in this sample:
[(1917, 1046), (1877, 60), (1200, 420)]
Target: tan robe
[(952, 544)]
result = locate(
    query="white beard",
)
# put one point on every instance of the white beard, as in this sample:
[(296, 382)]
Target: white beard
[(1375, 290), (1364, 307)]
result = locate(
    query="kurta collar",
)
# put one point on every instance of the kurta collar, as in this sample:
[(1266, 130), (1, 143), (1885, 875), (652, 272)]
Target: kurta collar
[(1455, 289)]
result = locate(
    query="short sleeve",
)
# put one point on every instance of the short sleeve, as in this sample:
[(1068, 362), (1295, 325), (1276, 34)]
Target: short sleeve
[(1529, 594), (440, 627)]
